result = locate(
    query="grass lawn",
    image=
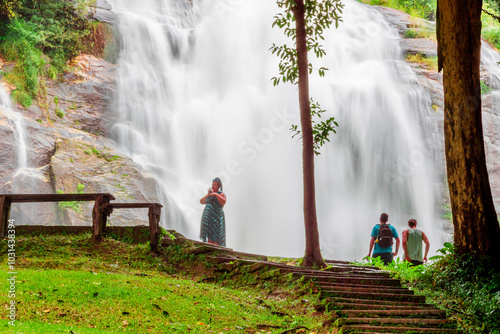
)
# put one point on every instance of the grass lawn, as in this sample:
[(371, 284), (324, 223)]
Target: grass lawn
[(65, 284)]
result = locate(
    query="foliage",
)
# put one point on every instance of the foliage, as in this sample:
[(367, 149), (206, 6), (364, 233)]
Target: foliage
[(485, 89), (321, 130), (21, 45), (465, 287), (65, 283), (469, 288), (320, 15), (428, 62), (74, 205), (40, 36), (491, 26), (425, 9), (421, 32)]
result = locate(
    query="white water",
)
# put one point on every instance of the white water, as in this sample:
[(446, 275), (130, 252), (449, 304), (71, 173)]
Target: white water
[(194, 101), (18, 123)]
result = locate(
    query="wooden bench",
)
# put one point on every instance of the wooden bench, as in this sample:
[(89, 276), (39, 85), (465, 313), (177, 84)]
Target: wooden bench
[(100, 212), (154, 214)]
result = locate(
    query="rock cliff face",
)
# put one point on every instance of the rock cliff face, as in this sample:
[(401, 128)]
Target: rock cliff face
[(432, 82), (68, 150)]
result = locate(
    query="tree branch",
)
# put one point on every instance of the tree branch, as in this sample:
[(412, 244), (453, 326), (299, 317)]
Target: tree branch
[(496, 17)]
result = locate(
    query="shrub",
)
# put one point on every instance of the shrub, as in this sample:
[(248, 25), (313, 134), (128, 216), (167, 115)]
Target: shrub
[(36, 28)]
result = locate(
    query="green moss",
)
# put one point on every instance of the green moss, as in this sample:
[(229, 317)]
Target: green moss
[(485, 89), (73, 205), (59, 113)]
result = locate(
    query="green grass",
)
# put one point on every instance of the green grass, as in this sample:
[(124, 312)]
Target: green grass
[(429, 63), (417, 8), (66, 283)]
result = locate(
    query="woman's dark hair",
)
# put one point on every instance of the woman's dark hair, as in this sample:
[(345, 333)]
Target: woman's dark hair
[(219, 182)]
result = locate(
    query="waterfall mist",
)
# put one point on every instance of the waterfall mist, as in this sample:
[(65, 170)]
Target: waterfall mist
[(194, 101)]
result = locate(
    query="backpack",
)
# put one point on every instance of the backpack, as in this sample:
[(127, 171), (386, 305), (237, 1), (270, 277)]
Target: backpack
[(385, 236)]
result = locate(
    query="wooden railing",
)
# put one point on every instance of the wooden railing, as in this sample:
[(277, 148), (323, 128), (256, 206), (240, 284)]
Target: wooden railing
[(101, 211)]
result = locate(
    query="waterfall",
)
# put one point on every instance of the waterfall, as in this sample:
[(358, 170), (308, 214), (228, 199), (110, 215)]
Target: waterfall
[(18, 124), (194, 101)]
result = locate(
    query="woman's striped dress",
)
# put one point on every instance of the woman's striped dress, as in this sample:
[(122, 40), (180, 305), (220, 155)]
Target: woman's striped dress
[(213, 222)]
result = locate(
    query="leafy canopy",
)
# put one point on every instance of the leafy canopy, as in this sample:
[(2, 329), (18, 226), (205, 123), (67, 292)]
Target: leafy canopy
[(319, 16)]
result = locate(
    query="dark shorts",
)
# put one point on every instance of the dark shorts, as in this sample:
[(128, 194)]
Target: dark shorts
[(416, 263), (386, 257)]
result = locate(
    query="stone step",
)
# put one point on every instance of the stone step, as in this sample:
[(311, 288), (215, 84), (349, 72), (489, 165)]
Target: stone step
[(408, 322), (419, 313), (354, 285), (339, 270), (364, 288), (372, 306), (368, 329), (374, 296), (352, 280), (376, 303)]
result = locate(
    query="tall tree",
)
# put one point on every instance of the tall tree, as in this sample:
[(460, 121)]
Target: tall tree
[(311, 18), (459, 46)]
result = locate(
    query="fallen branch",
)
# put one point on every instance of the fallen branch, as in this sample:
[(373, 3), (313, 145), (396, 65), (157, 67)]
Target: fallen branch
[(294, 329)]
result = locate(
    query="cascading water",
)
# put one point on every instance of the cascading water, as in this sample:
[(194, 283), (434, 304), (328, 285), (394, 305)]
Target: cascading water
[(24, 179), (17, 120), (194, 100)]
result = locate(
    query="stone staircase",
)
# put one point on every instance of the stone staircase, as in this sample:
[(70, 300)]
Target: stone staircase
[(368, 300), (361, 299)]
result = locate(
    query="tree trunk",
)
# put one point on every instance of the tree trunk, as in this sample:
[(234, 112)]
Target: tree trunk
[(312, 256), (459, 47)]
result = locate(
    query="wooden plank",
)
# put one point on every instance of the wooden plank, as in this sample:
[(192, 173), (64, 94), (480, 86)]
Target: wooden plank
[(154, 214), (30, 198), (133, 205), (100, 213), (4, 215)]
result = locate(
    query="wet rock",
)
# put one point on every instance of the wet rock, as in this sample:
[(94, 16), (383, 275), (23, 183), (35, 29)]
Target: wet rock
[(84, 98), (102, 11), (95, 167), (422, 46), (491, 125), (403, 21), (8, 156), (432, 82), (33, 181)]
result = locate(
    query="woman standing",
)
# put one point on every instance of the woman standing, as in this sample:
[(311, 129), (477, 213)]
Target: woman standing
[(213, 221)]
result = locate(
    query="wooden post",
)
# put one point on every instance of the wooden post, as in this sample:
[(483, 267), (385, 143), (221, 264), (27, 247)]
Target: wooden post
[(4, 215), (100, 213), (154, 215)]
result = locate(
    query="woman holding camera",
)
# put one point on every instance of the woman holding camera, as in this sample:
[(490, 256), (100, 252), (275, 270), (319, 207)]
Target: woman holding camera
[(213, 221)]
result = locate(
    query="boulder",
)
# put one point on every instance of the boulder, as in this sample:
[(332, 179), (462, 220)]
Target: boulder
[(102, 11)]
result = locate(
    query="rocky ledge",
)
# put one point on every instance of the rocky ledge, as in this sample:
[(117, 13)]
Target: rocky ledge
[(432, 83)]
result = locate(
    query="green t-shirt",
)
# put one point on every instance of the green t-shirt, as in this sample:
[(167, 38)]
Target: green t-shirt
[(414, 244)]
